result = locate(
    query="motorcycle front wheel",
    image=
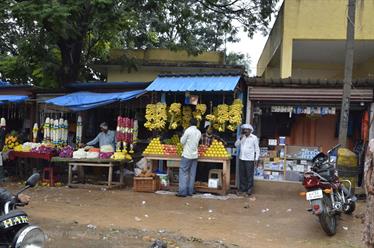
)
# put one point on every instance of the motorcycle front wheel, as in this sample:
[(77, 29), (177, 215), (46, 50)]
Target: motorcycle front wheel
[(327, 218)]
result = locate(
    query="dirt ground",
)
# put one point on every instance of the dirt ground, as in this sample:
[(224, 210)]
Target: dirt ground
[(122, 218)]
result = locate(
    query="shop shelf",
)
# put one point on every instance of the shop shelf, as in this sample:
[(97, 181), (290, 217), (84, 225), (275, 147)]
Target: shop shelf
[(274, 170)]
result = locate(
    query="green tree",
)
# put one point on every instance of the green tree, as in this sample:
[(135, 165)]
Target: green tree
[(51, 43), (239, 59)]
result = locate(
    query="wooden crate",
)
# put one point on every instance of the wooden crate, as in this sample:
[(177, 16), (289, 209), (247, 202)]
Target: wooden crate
[(146, 184)]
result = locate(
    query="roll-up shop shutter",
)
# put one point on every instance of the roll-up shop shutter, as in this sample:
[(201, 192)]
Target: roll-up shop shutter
[(307, 94)]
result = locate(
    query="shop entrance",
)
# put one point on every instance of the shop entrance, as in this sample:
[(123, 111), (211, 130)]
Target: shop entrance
[(290, 135)]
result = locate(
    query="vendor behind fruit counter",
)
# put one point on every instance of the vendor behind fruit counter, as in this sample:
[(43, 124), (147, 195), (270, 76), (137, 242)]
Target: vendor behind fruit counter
[(105, 137), (208, 137)]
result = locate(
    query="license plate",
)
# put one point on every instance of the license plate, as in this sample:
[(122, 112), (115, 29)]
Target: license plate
[(312, 195)]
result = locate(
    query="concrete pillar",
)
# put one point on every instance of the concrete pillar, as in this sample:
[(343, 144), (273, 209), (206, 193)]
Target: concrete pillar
[(238, 131), (286, 58), (249, 108)]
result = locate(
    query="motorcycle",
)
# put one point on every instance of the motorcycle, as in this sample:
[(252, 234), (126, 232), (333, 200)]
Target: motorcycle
[(15, 229), (327, 194)]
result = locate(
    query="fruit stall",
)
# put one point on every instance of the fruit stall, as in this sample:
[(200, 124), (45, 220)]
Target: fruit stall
[(215, 101)]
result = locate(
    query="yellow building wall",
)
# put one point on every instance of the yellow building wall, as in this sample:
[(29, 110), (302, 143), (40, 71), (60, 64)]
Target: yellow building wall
[(331, 71), (316, 71), (364, 70), (272, 45), (160, 61), (271, 72), (118, 75), (326, 19), (166, 55), (148, 74), (316, 20)]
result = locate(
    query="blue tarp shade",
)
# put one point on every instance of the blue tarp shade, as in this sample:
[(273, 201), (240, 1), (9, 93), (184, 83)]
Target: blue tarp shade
[(12, 98), (80, 101), (194, 83)]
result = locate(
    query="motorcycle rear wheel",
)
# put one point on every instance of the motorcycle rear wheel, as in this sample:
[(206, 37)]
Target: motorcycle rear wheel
[(327, 218)]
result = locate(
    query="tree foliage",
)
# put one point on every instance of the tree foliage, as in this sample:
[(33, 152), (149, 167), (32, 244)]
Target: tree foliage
[(239, 59), (54, 42)]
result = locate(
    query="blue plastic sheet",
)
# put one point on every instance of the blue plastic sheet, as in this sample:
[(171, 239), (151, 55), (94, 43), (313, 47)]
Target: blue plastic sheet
[(12, 98), (80, 101)]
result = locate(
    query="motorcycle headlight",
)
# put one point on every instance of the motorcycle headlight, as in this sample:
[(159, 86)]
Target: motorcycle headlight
[(30, 237)]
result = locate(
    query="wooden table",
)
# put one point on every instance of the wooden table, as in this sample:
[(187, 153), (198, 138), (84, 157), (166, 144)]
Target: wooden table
[(225, 171), (32, 160), (108, 163)]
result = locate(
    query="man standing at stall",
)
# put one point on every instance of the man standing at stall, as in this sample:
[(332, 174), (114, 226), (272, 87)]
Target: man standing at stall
[(187, 170), (105, 137), (249, 154)]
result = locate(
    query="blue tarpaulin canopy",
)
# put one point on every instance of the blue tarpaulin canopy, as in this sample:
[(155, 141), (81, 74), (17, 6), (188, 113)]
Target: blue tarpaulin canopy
[(4, 83), (190, 83), (12, 98), (80, 101)]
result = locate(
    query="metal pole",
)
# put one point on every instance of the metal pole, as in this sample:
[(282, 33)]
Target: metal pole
[(348, 68)]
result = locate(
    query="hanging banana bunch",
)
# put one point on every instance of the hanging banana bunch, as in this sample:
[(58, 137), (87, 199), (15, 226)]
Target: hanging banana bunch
[(187, 116), (156, 116), (210, 117), (175, 113), (199, 113), (150, 111), (162, 116), (235, 114), (222, 116)]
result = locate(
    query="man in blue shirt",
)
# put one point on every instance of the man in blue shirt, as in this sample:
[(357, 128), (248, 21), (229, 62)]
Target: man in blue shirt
[(105, 137)]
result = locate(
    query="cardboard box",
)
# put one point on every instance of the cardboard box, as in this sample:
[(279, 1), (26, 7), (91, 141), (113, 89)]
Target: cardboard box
[(277, 160), (268, 165), (300, 168), (272, 142)]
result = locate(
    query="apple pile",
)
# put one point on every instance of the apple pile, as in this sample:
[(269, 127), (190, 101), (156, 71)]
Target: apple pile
[(170, 149), (202, 149)]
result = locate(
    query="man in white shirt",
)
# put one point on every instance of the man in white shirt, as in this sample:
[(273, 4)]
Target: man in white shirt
[(187, 170), (249, 153)]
